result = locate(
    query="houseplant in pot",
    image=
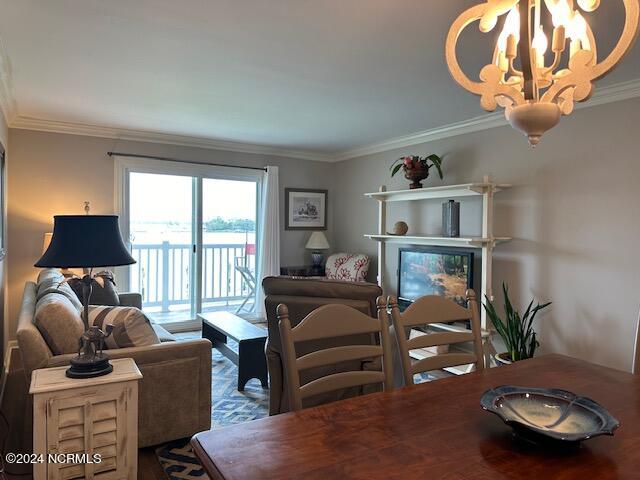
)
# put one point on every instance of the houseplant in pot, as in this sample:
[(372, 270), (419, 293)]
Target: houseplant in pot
[(417, 168), (516, 330)]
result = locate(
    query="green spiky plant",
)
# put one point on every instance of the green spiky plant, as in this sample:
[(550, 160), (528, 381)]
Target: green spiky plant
[(412, 161), (516, 330)]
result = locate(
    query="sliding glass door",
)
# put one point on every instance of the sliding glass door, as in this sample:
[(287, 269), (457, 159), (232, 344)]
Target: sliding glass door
[(161, 234), (229, 214), (193, 233)]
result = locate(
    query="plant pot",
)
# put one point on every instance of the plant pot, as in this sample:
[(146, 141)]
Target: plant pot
[(502, 358), (416, 175)]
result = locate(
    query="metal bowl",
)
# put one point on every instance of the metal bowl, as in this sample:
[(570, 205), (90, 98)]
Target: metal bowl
[(540, 413)]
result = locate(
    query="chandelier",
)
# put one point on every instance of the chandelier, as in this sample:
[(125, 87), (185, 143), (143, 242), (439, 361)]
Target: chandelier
[(536, 86)]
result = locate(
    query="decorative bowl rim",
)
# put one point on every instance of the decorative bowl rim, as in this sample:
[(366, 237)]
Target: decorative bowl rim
[(609, 422)]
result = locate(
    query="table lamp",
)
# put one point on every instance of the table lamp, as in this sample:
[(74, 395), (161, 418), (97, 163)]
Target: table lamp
[(317, 241), (87, 241)]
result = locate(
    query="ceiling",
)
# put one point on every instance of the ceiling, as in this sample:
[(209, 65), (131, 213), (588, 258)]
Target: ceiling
[(315, 75)]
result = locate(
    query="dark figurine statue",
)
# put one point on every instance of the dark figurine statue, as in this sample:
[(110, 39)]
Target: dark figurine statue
[(91, 342)]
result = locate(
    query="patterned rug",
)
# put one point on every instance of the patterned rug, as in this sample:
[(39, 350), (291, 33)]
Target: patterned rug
[(229, 407)]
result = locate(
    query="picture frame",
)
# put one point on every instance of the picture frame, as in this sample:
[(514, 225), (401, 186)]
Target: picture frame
[(305, 209)]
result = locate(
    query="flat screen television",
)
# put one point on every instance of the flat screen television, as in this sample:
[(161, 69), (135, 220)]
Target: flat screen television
[(434, 271)]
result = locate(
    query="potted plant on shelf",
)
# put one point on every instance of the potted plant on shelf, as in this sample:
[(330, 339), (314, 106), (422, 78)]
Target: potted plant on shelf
[(515, 330), (416, 168)]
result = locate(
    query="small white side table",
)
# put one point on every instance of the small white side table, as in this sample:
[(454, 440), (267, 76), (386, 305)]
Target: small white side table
[(94, 416)]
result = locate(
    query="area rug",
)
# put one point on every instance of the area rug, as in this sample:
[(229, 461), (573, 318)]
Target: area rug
[(228, 407), (179, 462)]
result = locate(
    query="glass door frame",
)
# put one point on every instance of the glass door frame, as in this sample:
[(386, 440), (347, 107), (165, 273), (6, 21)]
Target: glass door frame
[(126, 165)]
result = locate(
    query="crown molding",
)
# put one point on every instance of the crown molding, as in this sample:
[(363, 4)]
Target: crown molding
[(7, 101), (602, 96), (55, 126), (475, 124)]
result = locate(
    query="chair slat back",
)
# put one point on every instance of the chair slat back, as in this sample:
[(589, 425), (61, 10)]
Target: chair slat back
[(338, 381), (427, 311), (333, 321), (338, 355), (439, 310)]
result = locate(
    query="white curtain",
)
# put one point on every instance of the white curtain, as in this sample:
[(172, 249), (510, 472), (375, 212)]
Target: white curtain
[(269, 231)]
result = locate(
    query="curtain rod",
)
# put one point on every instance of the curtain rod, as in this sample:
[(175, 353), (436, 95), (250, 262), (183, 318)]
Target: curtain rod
[(168, 159)]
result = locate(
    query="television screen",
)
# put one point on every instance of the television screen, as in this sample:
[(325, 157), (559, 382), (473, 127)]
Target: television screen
[(434, 272)]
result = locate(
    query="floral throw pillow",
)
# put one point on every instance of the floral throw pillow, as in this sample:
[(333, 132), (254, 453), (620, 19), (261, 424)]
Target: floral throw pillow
[(349, 267)]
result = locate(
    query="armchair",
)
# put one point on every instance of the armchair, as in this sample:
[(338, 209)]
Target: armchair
[(302, 296)]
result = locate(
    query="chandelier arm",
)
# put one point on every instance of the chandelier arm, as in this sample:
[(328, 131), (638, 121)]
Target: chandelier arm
[(592, 44), (552, 95), (579, 77), (512, 68), (513, 94), (628, 37), (556, 63), (466, 18)]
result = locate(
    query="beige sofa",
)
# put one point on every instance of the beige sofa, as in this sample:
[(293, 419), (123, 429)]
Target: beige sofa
[(175, 391)]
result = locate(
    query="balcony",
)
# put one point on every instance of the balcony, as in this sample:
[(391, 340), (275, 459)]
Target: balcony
[(163, 275)]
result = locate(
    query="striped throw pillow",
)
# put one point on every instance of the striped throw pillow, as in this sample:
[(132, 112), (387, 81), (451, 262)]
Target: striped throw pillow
[(131, 327)]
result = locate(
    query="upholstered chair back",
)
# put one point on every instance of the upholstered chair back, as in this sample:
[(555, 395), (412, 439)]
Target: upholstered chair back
[(350, 267)]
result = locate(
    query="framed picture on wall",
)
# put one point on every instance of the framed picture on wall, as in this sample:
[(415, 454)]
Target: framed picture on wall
[(305, 209)]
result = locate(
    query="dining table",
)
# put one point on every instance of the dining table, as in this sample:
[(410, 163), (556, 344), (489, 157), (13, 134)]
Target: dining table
[(433, 430)]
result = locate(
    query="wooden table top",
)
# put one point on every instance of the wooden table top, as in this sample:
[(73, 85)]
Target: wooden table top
[(435, 430)]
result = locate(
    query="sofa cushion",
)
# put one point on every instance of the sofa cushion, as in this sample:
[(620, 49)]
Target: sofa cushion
[(131, 327), (48, 274), (163, 334), (59, 322), (105, 294), (350, 267), (50, 280), (53, 286)]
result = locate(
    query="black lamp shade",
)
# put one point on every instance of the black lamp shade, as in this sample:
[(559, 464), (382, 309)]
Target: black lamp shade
[(85, 241)]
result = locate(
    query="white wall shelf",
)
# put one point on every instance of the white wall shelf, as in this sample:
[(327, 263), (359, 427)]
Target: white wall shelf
[(439, 241), (486, 241), (446, 191)]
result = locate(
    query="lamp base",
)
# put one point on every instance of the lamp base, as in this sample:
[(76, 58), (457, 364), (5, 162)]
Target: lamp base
[(84, 366), (317, 259)]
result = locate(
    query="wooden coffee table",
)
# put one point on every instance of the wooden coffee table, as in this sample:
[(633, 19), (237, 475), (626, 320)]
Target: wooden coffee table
[(250, 358)]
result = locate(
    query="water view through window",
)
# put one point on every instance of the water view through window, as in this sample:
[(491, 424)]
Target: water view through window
[(163, 227)]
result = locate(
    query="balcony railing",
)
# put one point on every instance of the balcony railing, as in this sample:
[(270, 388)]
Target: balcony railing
[(163, 273)]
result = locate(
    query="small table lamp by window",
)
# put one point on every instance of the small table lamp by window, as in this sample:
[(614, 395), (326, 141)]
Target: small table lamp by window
[(45, 244), (87, 241), (317, 241), (47, 241)]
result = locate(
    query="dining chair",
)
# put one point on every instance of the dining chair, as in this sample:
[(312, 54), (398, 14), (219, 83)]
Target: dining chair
[(332, 322), (426, 311)]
